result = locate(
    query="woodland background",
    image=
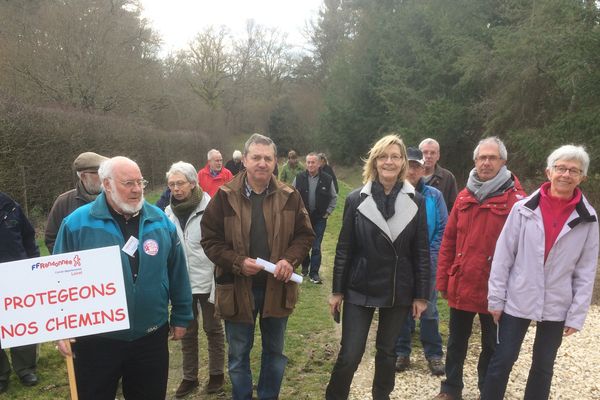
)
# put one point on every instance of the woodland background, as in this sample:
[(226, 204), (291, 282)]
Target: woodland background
[(81, 75)]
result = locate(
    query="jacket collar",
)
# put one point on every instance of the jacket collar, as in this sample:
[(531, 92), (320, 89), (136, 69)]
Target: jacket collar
[(405, 210), (583, 210)]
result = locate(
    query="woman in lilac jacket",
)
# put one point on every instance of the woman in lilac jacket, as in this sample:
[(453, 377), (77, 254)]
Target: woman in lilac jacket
[(543, 270)]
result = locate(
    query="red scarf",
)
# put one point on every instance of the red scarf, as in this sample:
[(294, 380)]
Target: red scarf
[(555, 212)]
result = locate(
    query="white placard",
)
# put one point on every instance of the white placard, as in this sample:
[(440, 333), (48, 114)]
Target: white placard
[(270, 267), (62, 296)]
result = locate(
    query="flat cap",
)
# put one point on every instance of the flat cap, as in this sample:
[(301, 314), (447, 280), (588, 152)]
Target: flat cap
[(88, 160)]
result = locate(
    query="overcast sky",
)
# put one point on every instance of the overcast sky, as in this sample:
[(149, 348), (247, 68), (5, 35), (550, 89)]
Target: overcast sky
[(178, 21)]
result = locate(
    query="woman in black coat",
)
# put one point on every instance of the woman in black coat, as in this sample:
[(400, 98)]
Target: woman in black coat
[(381, 261)]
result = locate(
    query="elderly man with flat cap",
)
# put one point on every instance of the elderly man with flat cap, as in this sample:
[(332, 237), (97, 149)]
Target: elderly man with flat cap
[(86, 190)]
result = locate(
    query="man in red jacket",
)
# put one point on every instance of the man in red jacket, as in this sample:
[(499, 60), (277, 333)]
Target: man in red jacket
[(213, 175), (465, 258)]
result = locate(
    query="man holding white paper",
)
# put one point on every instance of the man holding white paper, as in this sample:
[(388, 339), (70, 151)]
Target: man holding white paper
[(256, 216)]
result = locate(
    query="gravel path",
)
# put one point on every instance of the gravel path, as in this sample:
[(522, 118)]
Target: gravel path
[(576, 375)]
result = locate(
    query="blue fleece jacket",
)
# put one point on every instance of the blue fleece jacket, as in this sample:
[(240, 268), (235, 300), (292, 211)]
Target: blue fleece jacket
[(162, 277)]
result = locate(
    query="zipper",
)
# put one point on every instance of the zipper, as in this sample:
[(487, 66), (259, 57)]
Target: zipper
[(395, 268)]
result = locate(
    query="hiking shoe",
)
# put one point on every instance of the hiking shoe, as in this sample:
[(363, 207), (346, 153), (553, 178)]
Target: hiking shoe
[(215, 384), (186, 387), (402, 363), (316, 279), (304, 272), (436, 366)]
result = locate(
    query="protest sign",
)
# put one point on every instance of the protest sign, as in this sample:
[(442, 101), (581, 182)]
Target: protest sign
[(62, 296)]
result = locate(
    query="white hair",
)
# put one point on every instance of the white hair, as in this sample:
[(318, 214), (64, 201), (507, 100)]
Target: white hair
[(185, 169), (211, 153), (237, 155), (489, 140), (429, 141), (570, 152), (106, 169)]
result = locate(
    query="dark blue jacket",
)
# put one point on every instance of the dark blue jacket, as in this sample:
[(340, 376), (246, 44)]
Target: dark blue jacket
[(17, 235)]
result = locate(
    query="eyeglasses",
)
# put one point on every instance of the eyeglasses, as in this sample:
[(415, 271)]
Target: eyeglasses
[(394, 157), (487, 158), (560, 169), (178, 184), (133, 183)]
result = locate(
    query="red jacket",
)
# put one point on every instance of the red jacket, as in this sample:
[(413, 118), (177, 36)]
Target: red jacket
[(210, 184), (468, 246)]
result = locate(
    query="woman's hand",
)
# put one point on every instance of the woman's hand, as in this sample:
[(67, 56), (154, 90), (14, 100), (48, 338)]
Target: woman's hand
[(418, 307), (335, 303), (569, 331), (496, 314)]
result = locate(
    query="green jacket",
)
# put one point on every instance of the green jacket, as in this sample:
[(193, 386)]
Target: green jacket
[(288, 173)]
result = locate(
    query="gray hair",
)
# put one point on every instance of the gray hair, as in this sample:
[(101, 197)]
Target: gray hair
[(211, 153), (313, 154), (185, 169), (489, 140), (237, 155), (106, 169), (257, 138), (429, 141), (570, 152)]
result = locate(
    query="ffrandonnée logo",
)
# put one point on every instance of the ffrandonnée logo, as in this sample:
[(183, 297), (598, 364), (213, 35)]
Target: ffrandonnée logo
[(71, 262)]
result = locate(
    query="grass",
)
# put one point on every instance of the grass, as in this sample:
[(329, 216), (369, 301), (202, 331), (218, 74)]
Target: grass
[(312, 338)]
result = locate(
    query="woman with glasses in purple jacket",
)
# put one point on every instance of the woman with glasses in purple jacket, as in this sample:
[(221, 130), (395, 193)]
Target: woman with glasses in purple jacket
[(543, 270)]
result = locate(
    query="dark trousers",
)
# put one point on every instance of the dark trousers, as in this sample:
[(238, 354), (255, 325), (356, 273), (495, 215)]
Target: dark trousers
[(355, 329), (142, 365), (461, 326), (548, 338), (314, 258), (23, 361)]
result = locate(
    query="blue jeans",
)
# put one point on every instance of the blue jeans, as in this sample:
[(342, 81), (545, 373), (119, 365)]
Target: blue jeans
[(429, 332), (461, 326), (240, 339), (314, 259), (355, 329), (548, 338)]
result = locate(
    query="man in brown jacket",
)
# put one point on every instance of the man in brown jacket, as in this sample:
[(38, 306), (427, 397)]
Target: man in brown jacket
[(86, 190), (253, 216)]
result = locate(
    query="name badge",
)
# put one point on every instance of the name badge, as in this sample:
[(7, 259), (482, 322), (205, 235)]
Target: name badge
[(131, 246)]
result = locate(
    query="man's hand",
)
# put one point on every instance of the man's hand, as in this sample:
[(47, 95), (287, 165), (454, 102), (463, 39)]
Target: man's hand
[(283, 271), (496, 314), (250, 267), (64, 347), (176, 332), (418, 307)]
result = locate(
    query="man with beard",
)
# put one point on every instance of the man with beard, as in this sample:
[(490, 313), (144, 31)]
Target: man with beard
[(87, 188), (155, 274)]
